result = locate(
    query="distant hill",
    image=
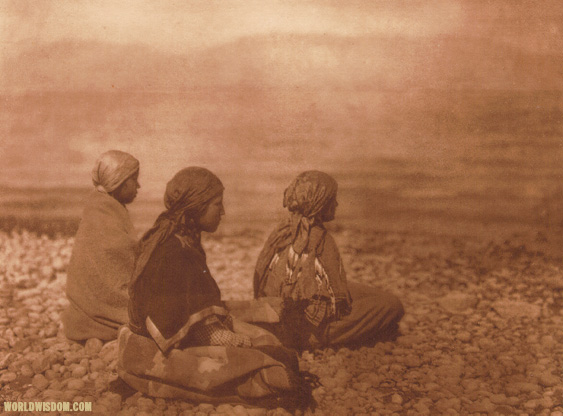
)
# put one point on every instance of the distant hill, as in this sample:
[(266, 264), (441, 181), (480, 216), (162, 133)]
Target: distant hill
[(286, 60)]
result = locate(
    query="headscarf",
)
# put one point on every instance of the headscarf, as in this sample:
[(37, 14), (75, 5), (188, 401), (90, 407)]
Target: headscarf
[(306, 197), (186, 198), (112, 169)]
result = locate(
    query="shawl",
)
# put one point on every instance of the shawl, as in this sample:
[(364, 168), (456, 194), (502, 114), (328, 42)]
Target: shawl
[(186, 197), (101, 264), (112, 169), (305, 198), (302, 232)]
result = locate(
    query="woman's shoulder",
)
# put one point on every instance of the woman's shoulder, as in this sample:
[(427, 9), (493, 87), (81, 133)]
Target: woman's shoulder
[(168, 257), (169, 248), (323, 240), (99, 203), (174, 265), (102, 215), (174, 247), (166, 267)]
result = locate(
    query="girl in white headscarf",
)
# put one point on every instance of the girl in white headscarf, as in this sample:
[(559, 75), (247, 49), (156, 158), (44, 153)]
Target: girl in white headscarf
[(103, 256)]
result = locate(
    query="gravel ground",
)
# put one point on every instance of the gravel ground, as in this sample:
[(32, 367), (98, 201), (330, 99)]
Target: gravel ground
[(482, 334)]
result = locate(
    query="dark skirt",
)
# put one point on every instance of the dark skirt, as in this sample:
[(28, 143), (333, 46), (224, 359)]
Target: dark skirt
[(374, 317)]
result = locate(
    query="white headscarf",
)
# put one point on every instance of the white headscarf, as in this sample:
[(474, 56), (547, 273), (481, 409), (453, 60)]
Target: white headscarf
[(112, 169)]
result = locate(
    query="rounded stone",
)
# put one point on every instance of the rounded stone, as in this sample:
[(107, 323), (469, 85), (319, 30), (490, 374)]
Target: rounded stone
[(52, 394), (75, 384), (40, 382), (7, 377), (114, 400), (531, 404), (47, 272), (79, 371), (51, 331), (397, 399), (547, 341), (100, 409), (224, 408), (58, 263), (549, 380), (412, 361), (483, 406), (361, 387), (421, 409), (108, 353), (101, 383), (205, 407), (257, 412), (55, 385), (239, 411), (97, 365), (31, 393), (68, 395), (144, 403), (464, 336), (456, 302), (26, 371), (93, 346), (40, 364), (51, 374)]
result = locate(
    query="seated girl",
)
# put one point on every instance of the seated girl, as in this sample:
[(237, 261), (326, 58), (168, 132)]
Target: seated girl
[(103, 256), (181, 341), (300, 263)]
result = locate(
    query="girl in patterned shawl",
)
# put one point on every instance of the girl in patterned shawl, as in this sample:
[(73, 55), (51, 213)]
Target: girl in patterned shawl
[(300, 263), (181, 341)]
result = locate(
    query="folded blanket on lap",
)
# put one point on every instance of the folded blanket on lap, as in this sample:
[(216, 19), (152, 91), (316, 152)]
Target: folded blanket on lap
[(212, 374)]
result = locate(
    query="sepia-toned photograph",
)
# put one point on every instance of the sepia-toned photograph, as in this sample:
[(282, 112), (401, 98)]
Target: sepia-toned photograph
[(275, 208)]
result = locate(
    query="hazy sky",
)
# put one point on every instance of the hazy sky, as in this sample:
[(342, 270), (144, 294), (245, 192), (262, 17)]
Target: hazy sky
[(178, 26), (360, 46)]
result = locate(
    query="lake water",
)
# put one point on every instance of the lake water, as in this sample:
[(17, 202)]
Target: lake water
[(431, 160)]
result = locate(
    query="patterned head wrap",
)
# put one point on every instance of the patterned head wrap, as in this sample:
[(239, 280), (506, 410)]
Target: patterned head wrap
[(305, 198), (186, 198), (112, 169)]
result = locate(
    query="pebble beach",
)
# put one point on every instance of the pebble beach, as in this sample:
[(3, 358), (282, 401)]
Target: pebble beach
[(482, 333)]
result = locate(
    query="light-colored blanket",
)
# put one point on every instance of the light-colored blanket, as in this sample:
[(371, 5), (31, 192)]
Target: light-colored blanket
[(101, 265)]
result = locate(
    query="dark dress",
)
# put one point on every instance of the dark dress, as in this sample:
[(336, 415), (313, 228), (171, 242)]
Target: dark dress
[(174, 285), (163, 352)]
